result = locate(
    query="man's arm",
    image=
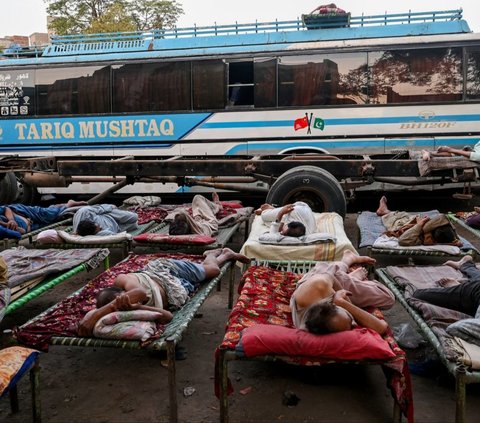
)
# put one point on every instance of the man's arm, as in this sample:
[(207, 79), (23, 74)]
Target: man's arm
[(86, 325), (413, 236), (455, 151), (11, 224), (362, 317)]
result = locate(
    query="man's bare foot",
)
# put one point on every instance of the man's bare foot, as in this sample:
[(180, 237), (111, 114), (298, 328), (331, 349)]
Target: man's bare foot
[(458, 264), (476, 209), (425, 155), (382, 207), (215, 197), (359, 273), (228, 254), (350, 259), (446, 282)]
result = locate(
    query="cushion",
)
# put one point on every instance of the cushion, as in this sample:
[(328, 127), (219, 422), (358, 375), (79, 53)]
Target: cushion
[(94, 239), (14, 362), (278, 239), (356, 344), (175, 239), (143, 201), (133, 325), (49, 236), (232, 204)]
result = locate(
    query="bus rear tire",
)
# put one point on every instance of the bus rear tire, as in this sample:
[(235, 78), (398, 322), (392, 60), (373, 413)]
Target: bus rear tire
[(312, 185), (27, 194), (8, 188)]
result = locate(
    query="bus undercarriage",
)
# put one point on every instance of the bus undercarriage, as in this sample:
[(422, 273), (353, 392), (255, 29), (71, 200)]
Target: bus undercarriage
[(323, 181)]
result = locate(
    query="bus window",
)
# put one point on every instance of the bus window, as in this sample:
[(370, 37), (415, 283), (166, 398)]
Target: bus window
[(265, 76), (473, 73), (149, 87), (208, 84), (240, 83), (17, 91), (74, 90), (322, 79), (416, 76)]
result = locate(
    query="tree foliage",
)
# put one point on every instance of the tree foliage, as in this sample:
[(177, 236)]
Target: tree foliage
[(77, 16)]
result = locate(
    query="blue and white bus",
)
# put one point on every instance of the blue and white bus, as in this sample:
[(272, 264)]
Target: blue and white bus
[(373, 84)]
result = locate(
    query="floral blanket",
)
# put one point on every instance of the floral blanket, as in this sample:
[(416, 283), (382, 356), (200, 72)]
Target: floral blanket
[(264, 299), (62, 319)]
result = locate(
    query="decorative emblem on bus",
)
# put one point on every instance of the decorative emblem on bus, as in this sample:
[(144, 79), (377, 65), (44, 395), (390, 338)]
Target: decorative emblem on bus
[(306, 122), (426, 114)]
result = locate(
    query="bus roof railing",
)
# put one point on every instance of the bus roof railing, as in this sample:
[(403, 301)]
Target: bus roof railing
[(63, 45)]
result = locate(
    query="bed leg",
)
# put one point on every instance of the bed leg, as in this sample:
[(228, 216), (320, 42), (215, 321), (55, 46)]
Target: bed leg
[(172, 385), (35, 387), (106, 263), (13, 394), (460, 394), (223, 370), (231, 286), (397, 413)]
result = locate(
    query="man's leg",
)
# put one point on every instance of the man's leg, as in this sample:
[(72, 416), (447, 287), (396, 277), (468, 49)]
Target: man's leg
[(127, 220), (450, 297), (215, 259)]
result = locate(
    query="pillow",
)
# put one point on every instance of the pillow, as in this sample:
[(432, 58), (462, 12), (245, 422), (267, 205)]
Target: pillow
[(355, 344), (133, 325), (175, 239), (49, 236), (143, 201), (14, 362), (94, 239), (279, 239), (232, 204)]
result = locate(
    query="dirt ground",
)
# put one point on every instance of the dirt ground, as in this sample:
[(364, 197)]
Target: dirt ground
[(108, 385)]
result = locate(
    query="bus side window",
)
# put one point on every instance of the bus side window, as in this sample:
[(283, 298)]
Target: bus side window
[(240, 83)]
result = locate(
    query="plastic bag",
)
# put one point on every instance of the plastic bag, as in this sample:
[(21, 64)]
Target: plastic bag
[(407, 336)]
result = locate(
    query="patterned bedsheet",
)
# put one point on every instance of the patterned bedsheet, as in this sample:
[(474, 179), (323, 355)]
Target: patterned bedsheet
[(264, 299), (371, 228), (331, 223), (27, 264), (62, 320)]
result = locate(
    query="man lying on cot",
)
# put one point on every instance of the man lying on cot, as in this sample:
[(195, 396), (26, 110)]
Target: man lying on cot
[(330, 297), (103, 219), (161, 285), (295, 219), (471, 153), (22, 219), (459, 296), (203, 220), (415, 230)]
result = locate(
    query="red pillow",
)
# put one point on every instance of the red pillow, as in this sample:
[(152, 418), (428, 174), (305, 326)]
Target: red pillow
[(231, 204), (356, 344), (175, 239)]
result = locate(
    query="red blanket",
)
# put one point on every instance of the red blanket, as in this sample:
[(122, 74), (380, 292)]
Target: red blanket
[(264, 299), (62, 319)]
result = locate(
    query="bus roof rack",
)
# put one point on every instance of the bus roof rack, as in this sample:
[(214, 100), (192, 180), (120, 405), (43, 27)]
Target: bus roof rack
[(387, 25)]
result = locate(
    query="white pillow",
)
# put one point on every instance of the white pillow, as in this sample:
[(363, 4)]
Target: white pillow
[(94, 239), (279, 239)]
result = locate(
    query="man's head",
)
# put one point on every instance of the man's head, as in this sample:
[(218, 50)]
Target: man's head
[(295, 229), (179, 226), (444, 234), (326, 317), (107, 295), (87, 227)]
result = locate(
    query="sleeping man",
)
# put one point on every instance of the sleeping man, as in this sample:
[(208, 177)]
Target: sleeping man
[(330, 298), (293, 220), (161, 285), (103, 219)]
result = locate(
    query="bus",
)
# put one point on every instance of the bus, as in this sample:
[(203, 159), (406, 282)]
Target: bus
[(373, 84)]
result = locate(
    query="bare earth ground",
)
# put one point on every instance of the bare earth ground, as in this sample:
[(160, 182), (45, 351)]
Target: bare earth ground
[(106, 385)]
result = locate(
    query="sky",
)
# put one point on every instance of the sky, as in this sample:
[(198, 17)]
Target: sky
[(25, 17)]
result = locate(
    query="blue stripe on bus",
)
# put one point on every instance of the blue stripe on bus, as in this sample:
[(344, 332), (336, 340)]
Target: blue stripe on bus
[(388, 143), (349, 121)]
